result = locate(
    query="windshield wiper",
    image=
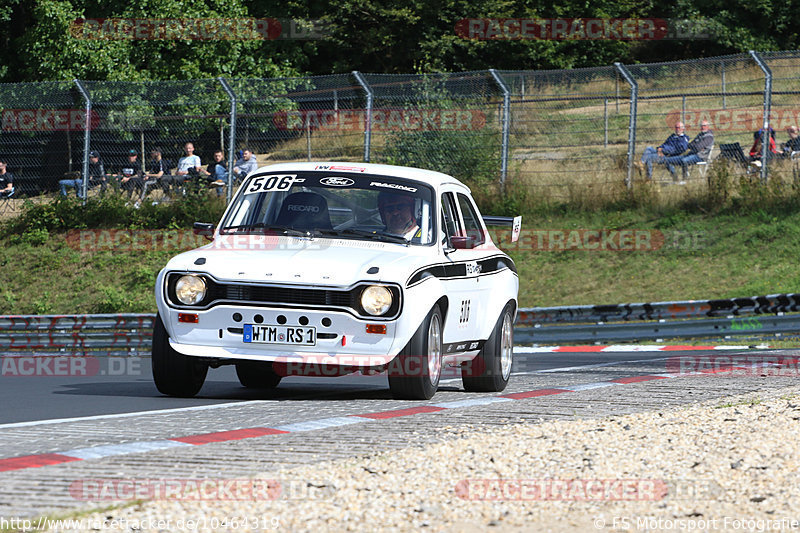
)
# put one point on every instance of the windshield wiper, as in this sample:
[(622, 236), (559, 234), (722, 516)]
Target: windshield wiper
[(367, 234), (261, 226)]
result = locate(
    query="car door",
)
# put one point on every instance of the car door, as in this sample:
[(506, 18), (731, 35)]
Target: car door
[(461, 281)]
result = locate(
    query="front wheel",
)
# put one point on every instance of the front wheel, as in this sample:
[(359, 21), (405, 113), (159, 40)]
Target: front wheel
[(174, 374), (491, 368), (414, 374)]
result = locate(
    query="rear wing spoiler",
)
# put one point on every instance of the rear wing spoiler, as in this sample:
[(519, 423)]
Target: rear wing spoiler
[(514, 222)]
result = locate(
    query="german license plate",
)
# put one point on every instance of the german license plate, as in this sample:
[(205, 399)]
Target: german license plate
[(265, 334)]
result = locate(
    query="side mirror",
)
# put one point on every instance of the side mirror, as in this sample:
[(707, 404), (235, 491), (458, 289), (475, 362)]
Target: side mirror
[(462, 242), (205, 229)]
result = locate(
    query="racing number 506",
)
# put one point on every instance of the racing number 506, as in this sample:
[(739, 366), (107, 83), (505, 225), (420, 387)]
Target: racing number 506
[(272, 183)]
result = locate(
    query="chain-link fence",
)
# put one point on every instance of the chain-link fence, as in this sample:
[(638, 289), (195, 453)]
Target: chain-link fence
[(559, 133)]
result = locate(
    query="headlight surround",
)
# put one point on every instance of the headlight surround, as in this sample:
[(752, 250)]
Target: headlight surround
[(376, 300), (190, 290)]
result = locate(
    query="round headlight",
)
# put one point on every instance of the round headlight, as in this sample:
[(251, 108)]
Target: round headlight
[(190, 290), (376, 300)]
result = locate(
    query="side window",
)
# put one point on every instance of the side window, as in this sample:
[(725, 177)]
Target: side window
[(450, 222), (472, 224)]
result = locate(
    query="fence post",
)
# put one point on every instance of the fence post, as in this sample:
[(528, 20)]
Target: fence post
[(632, 121), (724, 87), (86, 140), (683, 109), (765, 137), (605, 122), (506, 126), (232, 138), (368, 113)]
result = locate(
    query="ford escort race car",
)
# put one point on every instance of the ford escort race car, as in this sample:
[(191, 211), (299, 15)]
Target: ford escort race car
[(354, 267)]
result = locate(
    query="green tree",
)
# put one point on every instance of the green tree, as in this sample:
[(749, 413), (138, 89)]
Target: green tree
[(53, 48)]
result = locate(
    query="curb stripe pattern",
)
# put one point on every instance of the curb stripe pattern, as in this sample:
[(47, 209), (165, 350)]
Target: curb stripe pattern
[(625, 348), (48, 459)]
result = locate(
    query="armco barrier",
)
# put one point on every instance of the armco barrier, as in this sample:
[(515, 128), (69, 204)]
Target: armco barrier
[(112, 335), (760, 316), (774, 315)]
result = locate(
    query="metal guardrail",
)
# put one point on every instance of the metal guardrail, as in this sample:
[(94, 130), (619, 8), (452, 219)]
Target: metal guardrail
[(759, 316), (78, 335)]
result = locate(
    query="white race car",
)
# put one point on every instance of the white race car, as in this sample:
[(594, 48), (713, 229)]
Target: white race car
[(344, 267)]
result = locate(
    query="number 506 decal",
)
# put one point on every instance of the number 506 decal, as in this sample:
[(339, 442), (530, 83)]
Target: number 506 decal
[(273, 183)]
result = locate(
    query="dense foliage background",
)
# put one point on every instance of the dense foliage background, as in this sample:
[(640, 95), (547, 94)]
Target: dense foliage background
[(398, 36)]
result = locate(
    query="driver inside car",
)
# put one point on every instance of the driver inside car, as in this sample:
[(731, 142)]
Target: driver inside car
[(397, 213)]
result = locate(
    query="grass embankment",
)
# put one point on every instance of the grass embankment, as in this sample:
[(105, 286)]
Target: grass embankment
[(680, 256)]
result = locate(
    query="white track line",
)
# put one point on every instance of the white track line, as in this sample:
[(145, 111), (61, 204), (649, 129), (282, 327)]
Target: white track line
[(594, 365), (126, 415)]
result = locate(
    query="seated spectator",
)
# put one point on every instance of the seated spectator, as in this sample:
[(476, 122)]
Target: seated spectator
[(245, 165), (97, 176), (755, 150), (130, 174), (97, 173), (6, 179), (676, 144), (157, 174), (71, 179), (217, 172), (793, 144), (189, 166), (699, 150)]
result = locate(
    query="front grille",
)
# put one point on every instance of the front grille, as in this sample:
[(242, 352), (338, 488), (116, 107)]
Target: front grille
[(280, 295)]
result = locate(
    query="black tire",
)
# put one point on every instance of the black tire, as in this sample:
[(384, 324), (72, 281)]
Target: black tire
[(414, 374), (257, 374), (174, 374), (489, 371)]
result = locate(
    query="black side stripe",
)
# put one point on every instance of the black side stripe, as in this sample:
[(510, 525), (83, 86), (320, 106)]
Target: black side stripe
[(465, 346), (490, 265)]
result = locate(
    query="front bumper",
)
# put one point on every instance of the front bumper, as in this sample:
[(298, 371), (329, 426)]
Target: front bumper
[(343, 342)]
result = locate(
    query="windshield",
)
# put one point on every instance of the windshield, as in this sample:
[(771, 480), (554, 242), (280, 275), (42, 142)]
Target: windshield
[(323, 204)]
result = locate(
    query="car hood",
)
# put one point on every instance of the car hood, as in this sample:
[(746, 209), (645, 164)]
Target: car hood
[(333, 262)]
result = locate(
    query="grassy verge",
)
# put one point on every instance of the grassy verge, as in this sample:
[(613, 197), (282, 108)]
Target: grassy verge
[(681, 256)]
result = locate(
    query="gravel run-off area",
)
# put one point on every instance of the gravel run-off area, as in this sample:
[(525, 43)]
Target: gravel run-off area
[(726, 465)]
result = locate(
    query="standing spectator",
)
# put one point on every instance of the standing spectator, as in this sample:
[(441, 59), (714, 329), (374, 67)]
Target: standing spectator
[(676, 144), (6, 179), (755, 150), (157, 174), (130, 174), (245, 165), (217, 172), (699, 150), (189, 166), (793, 144), (97, 176)]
